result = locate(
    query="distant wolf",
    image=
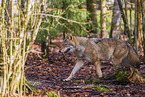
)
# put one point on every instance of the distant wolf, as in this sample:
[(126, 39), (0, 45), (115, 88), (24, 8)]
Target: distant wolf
[(95, 50)]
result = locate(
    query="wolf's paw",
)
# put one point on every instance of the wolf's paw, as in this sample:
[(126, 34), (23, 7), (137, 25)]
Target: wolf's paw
[(100, 75), (67, 79)]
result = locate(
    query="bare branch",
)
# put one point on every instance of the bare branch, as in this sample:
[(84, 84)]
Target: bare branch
[(61, 18)]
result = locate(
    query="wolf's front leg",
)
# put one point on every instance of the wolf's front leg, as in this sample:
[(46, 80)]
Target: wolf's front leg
[(98, 68), (78, 65)]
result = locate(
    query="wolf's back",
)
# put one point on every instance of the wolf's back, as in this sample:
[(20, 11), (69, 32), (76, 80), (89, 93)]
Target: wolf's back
[(133, 57)]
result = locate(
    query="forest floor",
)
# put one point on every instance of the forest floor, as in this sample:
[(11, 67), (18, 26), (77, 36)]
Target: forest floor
[(47, 75)]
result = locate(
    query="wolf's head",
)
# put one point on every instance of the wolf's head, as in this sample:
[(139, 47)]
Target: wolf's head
[(69, 44)]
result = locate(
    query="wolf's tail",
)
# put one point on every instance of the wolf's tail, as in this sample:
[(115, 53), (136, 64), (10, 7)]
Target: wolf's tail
[(133, 57)]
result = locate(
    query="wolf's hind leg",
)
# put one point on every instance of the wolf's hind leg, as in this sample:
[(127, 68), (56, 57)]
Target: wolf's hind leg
[(98, 68), (119, 55), (78, 65)]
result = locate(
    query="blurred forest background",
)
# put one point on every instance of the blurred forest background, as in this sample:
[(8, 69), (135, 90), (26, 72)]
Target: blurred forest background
[(24, 22)]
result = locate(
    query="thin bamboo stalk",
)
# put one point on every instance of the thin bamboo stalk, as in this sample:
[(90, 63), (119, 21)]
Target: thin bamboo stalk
[(11, 41), (3, 48), (135, 27), (16, 47)]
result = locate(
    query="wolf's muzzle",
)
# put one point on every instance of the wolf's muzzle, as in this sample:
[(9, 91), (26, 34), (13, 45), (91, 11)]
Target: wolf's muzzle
[(65, 51)]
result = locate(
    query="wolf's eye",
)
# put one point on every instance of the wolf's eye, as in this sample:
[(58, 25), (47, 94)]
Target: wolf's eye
[(68, 44)]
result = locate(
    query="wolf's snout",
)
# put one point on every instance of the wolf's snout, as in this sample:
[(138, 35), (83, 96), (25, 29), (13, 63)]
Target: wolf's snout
[(65, 50)]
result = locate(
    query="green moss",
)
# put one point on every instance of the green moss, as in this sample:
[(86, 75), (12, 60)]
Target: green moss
[(91, 86), (102, 89), (120, 75), (99, 88), (78, 81), (94, 81), (51, 94)]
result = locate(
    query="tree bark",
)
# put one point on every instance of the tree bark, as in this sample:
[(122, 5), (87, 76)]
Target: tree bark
[(135, 26), (139, 23), (116, 21), (91, 8), (143, 24), (64, 6), (103, 18), (131, 24), (124, 20)]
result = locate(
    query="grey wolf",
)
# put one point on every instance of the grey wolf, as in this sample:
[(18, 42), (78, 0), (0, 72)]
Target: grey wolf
[(96, 50)]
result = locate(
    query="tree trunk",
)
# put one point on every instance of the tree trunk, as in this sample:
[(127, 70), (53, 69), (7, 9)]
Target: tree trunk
[(91, 8), (45, 45), (135, 26), (131, 24), (103, 18), (124, 20), (125, 2), (116, 21), (64, 6), (139, 23), (143, 22), (44, 39), (125, 10)]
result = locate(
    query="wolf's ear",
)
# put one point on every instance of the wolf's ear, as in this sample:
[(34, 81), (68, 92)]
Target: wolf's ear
[(68, 36), (71, 37)]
